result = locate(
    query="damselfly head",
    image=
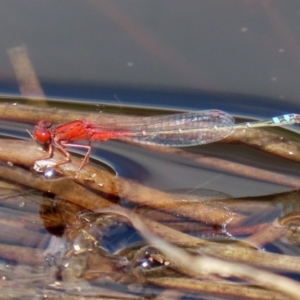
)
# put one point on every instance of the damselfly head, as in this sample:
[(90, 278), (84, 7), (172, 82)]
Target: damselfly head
[(42, 133)]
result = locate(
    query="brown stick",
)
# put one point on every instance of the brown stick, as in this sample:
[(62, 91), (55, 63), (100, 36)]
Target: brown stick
[(216, 288), (107, 183), (29, 84)]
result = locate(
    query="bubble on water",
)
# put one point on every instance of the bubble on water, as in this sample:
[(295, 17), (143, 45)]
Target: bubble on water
[(49, 172), (22, 204), (50, 260)]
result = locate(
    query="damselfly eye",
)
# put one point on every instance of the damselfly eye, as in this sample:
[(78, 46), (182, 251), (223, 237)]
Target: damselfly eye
[(41, 132)]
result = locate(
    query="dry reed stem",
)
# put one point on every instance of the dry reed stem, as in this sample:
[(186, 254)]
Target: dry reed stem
[(20, 219), (249, 205), (33, 114), (60, 190), (216, 288), (284, 203), (170, 294), (29, 84), (268, 141), (191, 227), (267, 235), (106, 183), (170, 235), (246, 229), (260, 258), (142, 195), (255, 137), (22, 255), (232, 252), (289, 218), (67, 189), (22, 237), (208, 265), (93, 293), (16, 198), (20, 293), (28, 113)]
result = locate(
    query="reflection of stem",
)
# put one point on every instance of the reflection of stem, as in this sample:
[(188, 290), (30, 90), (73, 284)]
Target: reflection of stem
[(22, 255), (106, 183), (268, 234), (213, 266), (67, 189), (216, 288), (29, 84), (288, 201), (230, 167)]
